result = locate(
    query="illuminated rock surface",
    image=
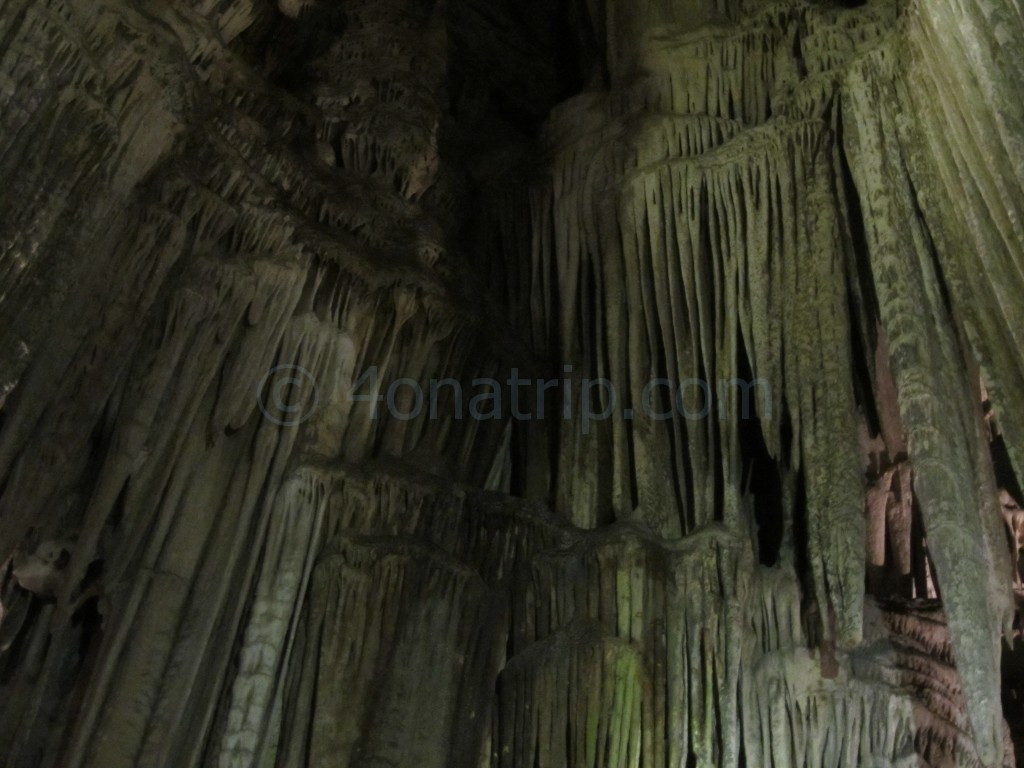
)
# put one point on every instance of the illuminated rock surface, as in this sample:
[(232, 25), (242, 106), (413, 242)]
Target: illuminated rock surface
[(218, 217)]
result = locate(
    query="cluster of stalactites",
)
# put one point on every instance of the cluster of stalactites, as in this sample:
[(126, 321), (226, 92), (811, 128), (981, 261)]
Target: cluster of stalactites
[(767, 200), (542, 643), (694, 227), (223, 286)]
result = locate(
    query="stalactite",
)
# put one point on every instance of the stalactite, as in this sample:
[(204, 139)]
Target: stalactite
[(926, 365), (240, 244)]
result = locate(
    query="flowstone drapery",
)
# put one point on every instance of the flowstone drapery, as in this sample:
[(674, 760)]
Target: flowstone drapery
[(256, 259)]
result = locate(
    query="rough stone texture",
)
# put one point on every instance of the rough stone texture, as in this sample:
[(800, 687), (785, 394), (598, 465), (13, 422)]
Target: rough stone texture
[(213, 205)]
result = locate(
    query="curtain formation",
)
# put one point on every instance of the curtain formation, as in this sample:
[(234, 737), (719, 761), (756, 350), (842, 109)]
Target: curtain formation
[(266, 274)]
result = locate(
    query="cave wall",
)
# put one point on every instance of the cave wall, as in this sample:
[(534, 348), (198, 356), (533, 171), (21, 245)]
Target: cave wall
[(220, 215)]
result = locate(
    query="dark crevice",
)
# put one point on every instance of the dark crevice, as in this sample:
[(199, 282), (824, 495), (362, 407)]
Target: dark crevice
[(763, 478)]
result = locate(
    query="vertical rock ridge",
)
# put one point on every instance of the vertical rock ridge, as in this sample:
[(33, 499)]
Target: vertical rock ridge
[(257, 258)]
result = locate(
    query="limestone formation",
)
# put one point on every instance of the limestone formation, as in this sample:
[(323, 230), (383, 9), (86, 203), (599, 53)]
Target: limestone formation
[(448, 384)]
